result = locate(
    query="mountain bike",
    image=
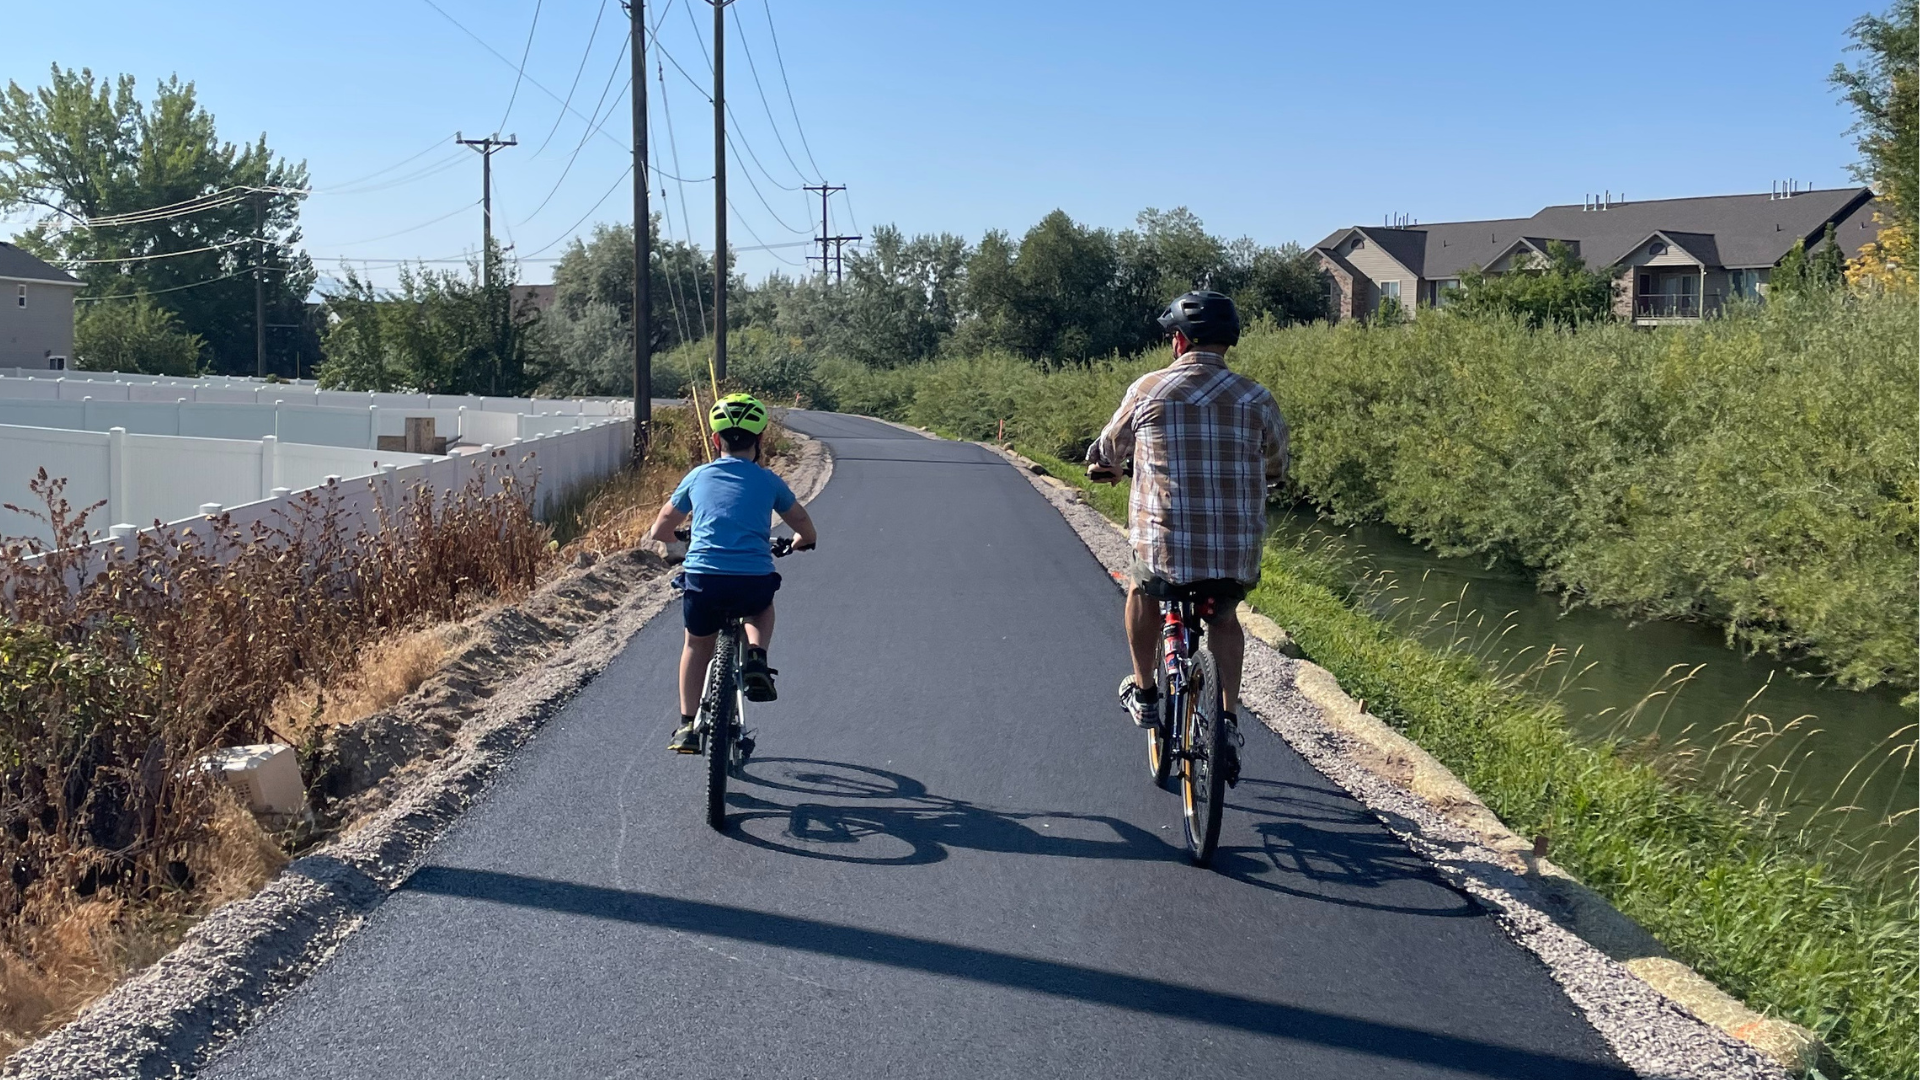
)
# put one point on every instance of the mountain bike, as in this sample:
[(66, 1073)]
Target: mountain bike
[(720, 723), (1192, 741)]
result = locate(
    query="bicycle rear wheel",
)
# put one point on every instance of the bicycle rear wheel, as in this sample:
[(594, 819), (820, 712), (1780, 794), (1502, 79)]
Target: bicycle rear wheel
[(1203, 787), (722, 719)]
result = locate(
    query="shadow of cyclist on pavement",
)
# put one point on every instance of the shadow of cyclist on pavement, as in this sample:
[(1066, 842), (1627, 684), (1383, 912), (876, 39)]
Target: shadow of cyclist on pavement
[(857, 813)]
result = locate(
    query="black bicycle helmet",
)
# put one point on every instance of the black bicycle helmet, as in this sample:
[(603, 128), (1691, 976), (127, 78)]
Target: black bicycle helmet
[(1206, 317)]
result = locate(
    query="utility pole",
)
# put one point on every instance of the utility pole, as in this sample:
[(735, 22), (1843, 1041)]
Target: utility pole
[(823, 239), (719, 188), (486, 148), (642, 242), (259, 285)]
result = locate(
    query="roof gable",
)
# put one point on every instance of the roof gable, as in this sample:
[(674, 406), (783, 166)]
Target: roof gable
[(20, 264)]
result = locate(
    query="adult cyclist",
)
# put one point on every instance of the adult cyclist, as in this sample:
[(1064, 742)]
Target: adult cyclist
[(729, 566), (1206, 443)]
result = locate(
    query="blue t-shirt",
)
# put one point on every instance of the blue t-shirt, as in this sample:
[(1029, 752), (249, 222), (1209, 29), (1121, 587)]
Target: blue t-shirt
[(732, 501)]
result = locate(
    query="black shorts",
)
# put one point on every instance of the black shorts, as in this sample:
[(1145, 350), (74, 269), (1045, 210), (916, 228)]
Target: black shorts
[(711, 599)]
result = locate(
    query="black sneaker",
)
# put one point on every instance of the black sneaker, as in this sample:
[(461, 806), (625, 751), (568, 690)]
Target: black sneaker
[(1145, 713), (686, 738), (756, 678)]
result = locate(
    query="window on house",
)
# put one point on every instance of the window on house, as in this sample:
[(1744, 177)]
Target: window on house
[(23, 296), (1442, 291), (1389, 289), (1358, 243)]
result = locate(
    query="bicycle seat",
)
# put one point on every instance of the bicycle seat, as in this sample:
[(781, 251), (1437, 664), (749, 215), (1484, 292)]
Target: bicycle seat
[(1192, 592)]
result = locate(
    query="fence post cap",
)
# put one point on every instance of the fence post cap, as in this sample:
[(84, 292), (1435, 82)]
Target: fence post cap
[(209, 509)]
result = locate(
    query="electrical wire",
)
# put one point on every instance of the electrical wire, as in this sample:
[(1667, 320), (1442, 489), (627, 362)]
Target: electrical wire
[(764, 103), (624, 173), (686, 217), (585, 135), (410, 228), (437, 144), (797, 126), (531, 81), (592, 36), (157, 292), (521, 69), (166, 254)]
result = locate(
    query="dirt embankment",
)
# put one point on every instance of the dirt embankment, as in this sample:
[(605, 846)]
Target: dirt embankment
[(383, 787)]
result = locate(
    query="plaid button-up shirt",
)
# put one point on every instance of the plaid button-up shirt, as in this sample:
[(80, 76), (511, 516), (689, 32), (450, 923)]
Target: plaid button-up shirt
[(1204, 442)]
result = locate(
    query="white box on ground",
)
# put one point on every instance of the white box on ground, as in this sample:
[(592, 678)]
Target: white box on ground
[(267, 776)]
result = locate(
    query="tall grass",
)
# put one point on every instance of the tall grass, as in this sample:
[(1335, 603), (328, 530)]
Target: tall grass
[(117, 676), (1755, 471), (1773, 912)]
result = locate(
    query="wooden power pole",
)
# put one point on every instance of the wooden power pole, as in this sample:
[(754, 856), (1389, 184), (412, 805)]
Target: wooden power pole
[(642, 242), (260, 284), (486, 148), (719, 188)]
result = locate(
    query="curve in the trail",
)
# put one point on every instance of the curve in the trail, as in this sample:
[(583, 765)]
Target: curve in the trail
[(947, 861)]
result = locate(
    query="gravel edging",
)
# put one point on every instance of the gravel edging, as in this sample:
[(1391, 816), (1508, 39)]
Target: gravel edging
[(170, 1018), (1654, 1034)]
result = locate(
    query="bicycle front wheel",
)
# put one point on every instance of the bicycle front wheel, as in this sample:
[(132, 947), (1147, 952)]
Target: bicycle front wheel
[(723, 719), (1203, 786), (1160, 739)]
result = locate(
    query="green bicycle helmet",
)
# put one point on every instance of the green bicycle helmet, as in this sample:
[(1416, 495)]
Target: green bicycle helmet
[(738, 411)]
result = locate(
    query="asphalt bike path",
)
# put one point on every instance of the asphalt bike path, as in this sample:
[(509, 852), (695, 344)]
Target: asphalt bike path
[(947, 861)]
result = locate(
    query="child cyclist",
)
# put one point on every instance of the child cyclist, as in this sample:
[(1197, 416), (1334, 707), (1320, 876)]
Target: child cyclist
[(729, 565)]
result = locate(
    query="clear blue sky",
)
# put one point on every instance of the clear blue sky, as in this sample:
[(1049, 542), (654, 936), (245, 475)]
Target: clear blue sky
[(1277, 120)]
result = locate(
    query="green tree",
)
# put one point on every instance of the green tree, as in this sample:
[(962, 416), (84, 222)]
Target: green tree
[(441, 332), (136, 335), (1285, 284), (144, 198), (1801, 272), (1556, 291), (1885, 93), (1053, 297)]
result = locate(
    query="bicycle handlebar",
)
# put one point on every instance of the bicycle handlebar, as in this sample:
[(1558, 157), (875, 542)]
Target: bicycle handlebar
[(781, 546)]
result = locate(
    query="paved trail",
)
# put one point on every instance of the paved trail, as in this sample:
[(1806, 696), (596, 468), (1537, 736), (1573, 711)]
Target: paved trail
[(949, 861)]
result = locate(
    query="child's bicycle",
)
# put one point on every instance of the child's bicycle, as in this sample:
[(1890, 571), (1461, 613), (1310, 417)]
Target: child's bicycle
[(721, 719)]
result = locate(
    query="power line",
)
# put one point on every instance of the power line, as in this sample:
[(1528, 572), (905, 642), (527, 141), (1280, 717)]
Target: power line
[(584, 135), (531, 81), (156, 292), (764, 103), (223, 245), (437, 144), (624, 173), (411, 228), (587, 54), (775, 35), (521, 69)]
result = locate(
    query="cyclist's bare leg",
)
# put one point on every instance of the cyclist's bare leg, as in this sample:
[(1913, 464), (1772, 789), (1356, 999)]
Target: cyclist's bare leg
[(694, 659), (760, 629), (1228, 643), (1143, 636)]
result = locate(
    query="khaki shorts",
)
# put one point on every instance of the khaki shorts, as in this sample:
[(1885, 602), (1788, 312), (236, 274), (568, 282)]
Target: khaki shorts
[(1142, 579)]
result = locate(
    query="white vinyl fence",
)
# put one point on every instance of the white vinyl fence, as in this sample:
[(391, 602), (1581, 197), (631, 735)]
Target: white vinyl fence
[(116, 387), (323, 425), (176, 480)]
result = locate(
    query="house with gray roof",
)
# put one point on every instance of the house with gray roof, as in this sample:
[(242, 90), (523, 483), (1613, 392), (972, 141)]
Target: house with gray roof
[(36, 311), (1674, 259)]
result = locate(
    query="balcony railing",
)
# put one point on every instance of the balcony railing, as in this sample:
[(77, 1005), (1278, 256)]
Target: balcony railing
[(1666, 306)]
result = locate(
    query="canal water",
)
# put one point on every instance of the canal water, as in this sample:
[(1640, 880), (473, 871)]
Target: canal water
[(1839, 747)]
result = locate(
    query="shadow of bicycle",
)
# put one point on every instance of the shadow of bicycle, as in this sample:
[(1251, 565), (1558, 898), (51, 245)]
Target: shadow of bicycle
[(861, 814), (1318, 845)]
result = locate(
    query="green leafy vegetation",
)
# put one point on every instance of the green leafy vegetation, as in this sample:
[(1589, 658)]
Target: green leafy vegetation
[(441, 332), (1557, 290), (1794, 930), (134, 335), (1755, 471), (79, 148)]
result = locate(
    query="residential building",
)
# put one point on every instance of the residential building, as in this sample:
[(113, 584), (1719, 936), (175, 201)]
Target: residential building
[(36, 311), (1675, 259)]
